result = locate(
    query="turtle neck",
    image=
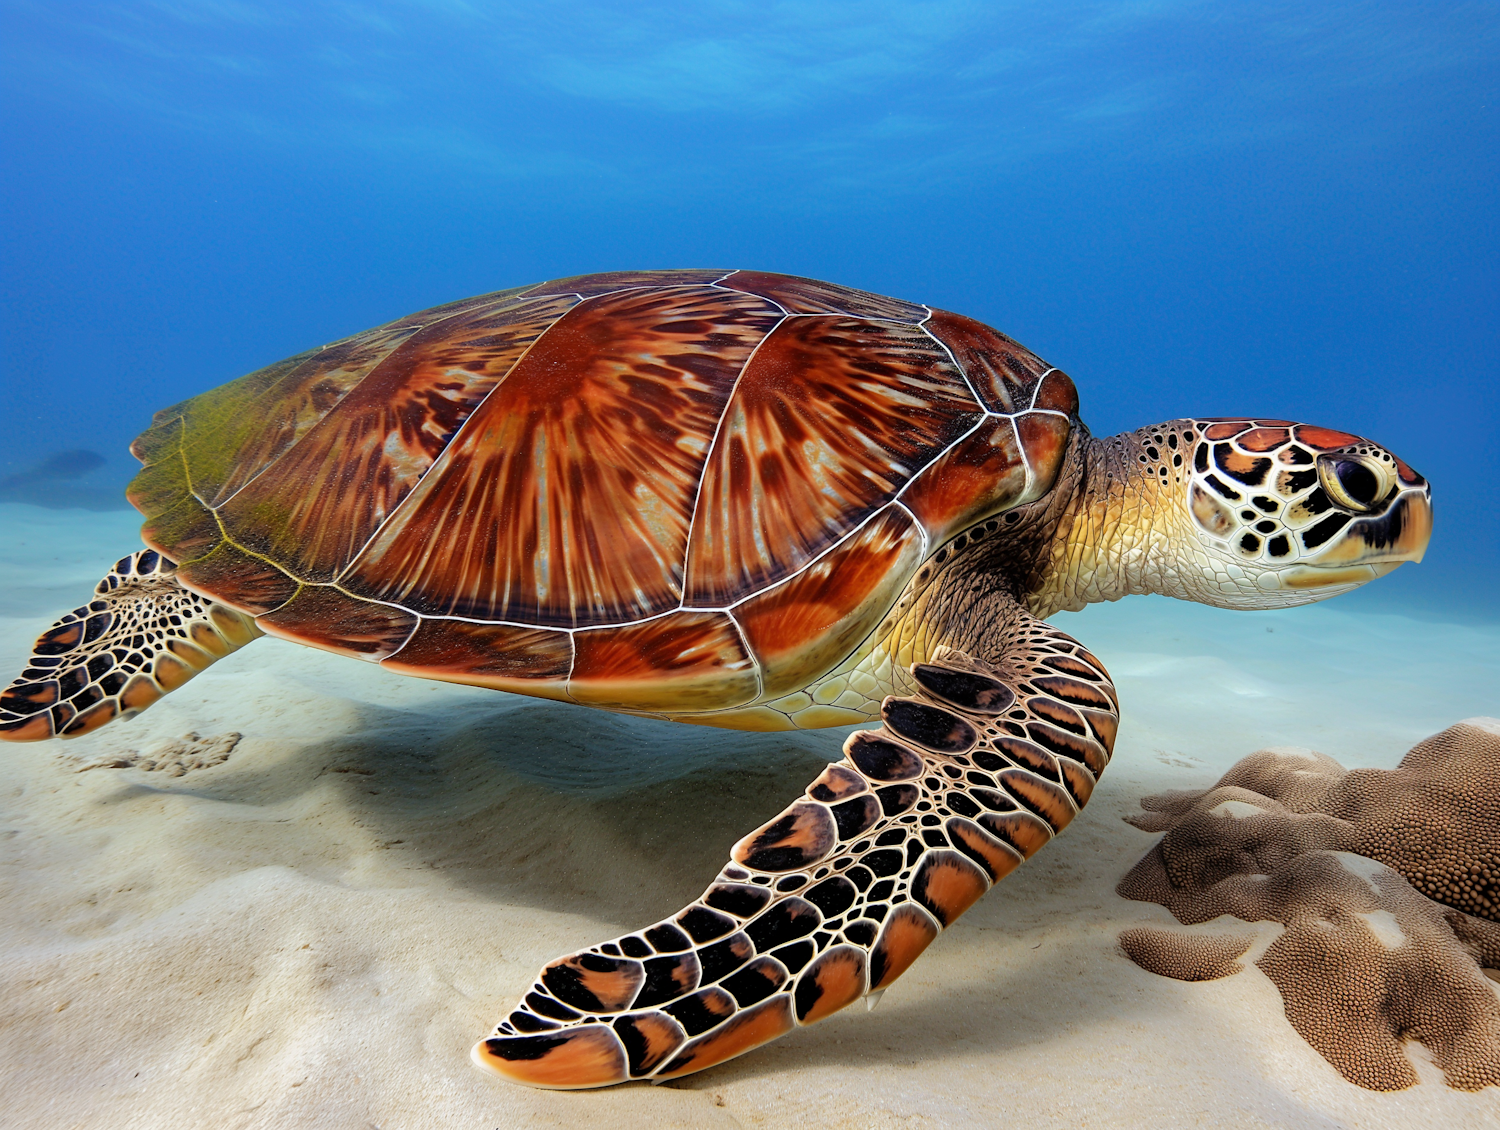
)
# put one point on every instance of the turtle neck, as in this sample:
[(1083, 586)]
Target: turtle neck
[(1117, 529)]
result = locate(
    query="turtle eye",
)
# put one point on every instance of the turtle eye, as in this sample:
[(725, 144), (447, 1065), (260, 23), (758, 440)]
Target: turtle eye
[(1355, 483)]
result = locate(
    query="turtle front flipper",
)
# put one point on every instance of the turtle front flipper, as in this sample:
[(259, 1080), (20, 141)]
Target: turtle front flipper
[(141, 636), (836, 897)]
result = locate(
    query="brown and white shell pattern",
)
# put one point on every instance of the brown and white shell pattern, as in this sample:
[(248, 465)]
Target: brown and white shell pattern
[(678, 492)]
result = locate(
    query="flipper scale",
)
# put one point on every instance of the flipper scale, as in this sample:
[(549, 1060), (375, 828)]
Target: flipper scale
[(142, 636)]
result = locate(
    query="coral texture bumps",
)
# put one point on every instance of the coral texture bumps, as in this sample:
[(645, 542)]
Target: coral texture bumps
[(1384, 882)]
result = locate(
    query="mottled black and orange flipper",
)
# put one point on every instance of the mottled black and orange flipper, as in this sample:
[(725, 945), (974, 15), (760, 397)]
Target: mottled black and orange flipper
[(141, 636), (838, 895)]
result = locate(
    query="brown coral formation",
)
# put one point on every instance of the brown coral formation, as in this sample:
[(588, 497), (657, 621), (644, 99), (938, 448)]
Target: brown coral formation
[(1385, 883), (1187, 957)]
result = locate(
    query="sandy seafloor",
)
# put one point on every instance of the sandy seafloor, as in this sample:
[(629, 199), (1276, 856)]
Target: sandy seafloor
[(315, 931)]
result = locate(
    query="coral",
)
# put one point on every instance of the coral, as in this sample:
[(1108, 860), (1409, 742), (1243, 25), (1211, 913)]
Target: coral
[(1384, 882)]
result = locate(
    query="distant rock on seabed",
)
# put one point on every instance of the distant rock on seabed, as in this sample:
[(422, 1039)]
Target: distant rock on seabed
[(52, 484)]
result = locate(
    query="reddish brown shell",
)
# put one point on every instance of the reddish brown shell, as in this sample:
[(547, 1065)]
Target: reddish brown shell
[(672, 490)]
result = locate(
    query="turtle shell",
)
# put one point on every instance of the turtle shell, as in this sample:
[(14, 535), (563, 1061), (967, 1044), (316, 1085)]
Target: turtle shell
[(676, 491)]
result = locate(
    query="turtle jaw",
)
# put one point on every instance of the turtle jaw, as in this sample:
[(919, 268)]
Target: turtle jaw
[(1334, 578)]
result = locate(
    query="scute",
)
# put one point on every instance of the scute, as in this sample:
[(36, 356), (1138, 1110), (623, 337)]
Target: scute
[(316, 505), (830, 419), (845, 593), (592, 453), (1003, 372), (568, 499), (214, 443)]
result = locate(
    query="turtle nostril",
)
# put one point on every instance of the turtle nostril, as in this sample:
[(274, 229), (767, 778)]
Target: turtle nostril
[(1358, 481)]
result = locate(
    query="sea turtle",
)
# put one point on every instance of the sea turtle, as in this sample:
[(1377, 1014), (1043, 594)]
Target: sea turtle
[(739, 499)]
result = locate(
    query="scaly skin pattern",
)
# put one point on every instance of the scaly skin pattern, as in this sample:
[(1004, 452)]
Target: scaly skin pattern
[(1233, 513)]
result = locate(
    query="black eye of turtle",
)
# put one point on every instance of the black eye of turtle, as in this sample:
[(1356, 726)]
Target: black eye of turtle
[(1354, 483), (1358, 481)]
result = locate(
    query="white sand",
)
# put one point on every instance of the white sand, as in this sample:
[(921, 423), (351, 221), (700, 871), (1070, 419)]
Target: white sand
[(313, 932)]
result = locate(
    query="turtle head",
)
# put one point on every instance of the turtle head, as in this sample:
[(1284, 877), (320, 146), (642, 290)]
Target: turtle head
[(1235, 513), (1283, 513)]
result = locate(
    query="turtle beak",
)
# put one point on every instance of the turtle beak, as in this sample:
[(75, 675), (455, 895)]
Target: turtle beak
[(1418, 509), (1395, 537)]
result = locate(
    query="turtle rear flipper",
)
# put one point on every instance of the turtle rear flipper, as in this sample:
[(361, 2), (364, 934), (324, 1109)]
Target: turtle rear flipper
[(833, 899), (141, 636)]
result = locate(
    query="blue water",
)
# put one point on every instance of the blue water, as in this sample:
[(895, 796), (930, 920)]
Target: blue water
[(1285, 209)]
